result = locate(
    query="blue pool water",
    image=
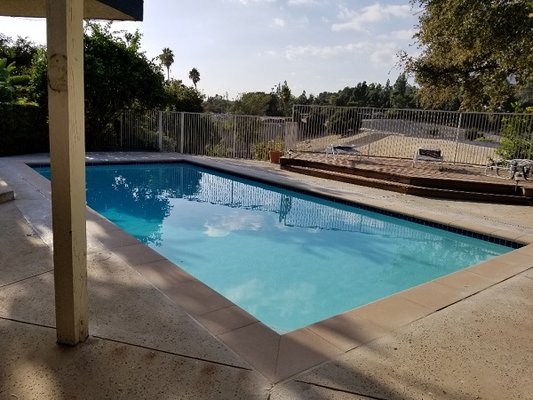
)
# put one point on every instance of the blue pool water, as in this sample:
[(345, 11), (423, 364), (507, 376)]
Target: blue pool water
[(287, 258)]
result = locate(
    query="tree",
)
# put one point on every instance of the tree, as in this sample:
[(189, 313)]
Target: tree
[(194, 75), (182, 98), (19, 56), (7, 90), (167, 59), (480, 50), (20, 51), (118, 77), (402, 95), (285, 96), (252, 103), (217, 104)]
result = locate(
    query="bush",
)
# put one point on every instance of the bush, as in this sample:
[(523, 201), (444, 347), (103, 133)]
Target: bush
[(218, 150), (260, 151), (23, 130), (517, 134), (473, 134), (433, 132)]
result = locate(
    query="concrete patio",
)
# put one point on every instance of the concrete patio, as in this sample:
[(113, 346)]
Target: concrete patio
[(144, 345)]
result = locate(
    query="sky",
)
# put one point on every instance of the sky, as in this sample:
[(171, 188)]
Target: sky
[(252, 45)]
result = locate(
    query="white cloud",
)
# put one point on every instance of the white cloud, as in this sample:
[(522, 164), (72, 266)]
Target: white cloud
[(368, 16), (246, 2), (302, 2), (223, 226), (279, 22), (385, 55), (403, 35), (268, 53), (292, 52)]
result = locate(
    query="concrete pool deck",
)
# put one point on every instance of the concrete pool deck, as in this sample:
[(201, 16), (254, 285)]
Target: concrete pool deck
[(149, 340)]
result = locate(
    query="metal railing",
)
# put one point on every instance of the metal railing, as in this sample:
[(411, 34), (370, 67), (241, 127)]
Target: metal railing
[(462, 137), (218, 135)]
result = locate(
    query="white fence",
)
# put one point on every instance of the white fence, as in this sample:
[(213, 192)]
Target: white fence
[(219, 135), (469, 138), (462, 137)]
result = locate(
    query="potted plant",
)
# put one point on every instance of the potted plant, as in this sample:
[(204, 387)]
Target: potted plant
[(275, 150)]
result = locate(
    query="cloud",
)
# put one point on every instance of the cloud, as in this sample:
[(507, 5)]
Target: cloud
[(223, 226), (292, 52), (302, 2), (279, 22), (385, 55), (369, 15), (246, 2), (403, 35)]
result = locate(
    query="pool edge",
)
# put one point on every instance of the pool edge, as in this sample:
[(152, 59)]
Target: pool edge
[(300, 350)]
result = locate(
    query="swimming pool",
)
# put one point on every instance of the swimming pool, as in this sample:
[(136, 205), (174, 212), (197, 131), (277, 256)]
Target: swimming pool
[(287, 258)]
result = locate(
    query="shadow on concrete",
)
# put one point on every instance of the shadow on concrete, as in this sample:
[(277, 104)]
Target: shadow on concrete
[(137, 348)]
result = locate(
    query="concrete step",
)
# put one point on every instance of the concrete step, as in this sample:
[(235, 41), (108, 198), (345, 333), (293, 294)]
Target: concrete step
[(6, 193), (397, 184)]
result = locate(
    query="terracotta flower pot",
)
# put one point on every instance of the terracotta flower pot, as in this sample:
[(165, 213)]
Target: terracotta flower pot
[(274, 156)]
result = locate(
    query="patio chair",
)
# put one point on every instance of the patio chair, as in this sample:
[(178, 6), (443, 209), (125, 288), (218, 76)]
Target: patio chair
[(335, 149), (511, 169), (423, 153)]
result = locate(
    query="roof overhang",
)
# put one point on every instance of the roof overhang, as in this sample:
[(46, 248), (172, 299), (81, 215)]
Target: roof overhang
[(131, 10)]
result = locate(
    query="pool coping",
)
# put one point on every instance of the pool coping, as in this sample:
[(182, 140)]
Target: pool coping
[(276, 356)]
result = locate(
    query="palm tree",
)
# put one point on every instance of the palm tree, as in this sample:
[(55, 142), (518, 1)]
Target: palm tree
[(167, 59), (194, 75)]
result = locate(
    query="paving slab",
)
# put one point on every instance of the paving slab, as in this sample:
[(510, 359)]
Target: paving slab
[(479, 348), (296, 390), (123, 307), (32, 254), (33, 366)]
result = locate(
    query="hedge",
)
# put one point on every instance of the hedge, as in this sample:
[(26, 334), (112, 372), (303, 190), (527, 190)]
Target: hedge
[(23, 129)]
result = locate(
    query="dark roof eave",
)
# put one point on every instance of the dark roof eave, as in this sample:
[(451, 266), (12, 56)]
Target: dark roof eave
[(131, 10)]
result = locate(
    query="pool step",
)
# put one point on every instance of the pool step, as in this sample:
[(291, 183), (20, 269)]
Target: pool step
[(418, 186), (6, 194)]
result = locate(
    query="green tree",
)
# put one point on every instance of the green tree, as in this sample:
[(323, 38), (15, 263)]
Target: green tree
[(7, 90), (194, 76), (285, 99), (182, 98), (118, 77), (252, 103), (167, 59), (20, 51), (217, 104), (481, 50), (402, 94), (19, 54)]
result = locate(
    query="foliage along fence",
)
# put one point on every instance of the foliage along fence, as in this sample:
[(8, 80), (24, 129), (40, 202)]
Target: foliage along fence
[(462, 137), (217, 135)]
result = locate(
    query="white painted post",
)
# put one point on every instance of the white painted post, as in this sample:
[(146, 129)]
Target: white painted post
[(182, 131), (457, 133), (67, 156), (234, 136), (160, 130)]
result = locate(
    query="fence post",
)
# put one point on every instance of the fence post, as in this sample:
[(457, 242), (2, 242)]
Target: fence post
[(122, 123), (182, 131), (234, 136), (160, 130), (457, 137)]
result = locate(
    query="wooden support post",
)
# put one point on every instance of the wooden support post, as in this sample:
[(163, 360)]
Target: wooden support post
[(67, 156)]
